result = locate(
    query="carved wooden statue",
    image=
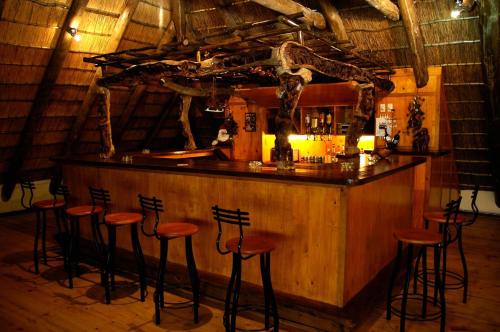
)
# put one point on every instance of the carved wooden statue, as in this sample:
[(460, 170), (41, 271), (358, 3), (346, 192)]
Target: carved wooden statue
[(362, 113), (107, 149)]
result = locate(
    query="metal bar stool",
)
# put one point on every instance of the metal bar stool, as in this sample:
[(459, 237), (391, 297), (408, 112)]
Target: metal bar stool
[(438, 217), (41, 207), (244, 248), (165, 233), (99, 205), (113, 221), (425, 239)]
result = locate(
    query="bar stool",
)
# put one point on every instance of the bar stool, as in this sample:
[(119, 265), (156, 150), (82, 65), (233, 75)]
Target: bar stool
[(99, 204), (439, 218), (165, 233), (113, 221), (41, 207), (244, 248), (425, 239)]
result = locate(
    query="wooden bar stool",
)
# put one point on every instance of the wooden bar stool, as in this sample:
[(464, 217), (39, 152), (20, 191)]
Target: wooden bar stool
[(244, 248), (165, 233), (113, 221), (439, 217), (55, 205), (425, 239), (99, 205)]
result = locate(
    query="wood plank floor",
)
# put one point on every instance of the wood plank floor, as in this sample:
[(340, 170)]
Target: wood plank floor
[(43, 303)]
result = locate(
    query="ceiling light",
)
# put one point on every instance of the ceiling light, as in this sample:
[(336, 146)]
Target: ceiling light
[(457, 9), (74, 33)]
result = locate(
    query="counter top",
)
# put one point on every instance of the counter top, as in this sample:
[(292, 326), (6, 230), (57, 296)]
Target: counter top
[(411, 152), (344, 172)]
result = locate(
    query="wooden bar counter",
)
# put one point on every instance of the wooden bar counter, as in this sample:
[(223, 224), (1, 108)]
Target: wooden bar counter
[(333, 227)]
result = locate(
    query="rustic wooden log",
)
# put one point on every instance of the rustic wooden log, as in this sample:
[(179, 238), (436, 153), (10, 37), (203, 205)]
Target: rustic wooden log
[(289, 7), (415, 41), (488, 18), (179, 19), (386, 7), (334, 20), (289, 91), (134, 99), (361, 114), (168, 35), (186, 126), (107, 150), (88, 102), (166, 111), (42, 98)]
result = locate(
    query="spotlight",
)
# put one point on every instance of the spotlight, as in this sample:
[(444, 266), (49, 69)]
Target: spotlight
[(457, 9), (74, 33)]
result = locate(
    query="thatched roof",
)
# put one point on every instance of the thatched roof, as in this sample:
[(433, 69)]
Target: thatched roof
[(30, 31)]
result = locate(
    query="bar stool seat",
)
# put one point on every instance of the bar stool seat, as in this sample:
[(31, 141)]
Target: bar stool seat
[(123, 218), (417, 236), (49, 204), (438, 217), (251, 245), (84, 210), (173, 230)]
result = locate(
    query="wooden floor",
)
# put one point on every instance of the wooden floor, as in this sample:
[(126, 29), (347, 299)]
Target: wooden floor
[(43, 303)]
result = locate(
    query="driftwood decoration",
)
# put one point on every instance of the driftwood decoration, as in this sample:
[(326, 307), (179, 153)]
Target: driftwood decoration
[(416, 42), (362, 113), (334, 20), (186, 127), (107, 150), (289, 7), (289, 91), (387, 8)]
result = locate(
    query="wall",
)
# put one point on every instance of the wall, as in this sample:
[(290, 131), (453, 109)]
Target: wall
[(485, 202), (14, 204)]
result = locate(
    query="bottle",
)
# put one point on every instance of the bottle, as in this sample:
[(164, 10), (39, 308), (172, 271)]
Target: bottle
[(396, 138), (307, 122), (321, 122), (328, 157), (329, 122), (314, 124)]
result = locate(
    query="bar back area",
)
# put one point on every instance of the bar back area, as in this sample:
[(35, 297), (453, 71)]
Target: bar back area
[(249, 165)]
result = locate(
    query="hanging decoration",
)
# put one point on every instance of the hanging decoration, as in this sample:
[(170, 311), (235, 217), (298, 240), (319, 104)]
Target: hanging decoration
[(415, 121)]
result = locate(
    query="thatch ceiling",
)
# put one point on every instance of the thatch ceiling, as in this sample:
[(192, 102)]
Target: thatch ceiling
[(30, 31)]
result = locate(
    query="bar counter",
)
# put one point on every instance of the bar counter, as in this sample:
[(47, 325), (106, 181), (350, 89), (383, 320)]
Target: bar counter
[(334, 228)]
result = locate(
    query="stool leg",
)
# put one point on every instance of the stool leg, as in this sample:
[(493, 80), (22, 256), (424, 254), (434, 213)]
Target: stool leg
[(58, 225), (158, 296), (35, 245), (437, 265), (405, 287), (393, 279), (415, 273), (103, 270), (424, 272), (136, 245), (236, 294), (230, 286), (69, 254), (263, 271), (271, 293), (76, 247), (110, 263), (193, 276), (112, 255), (445, 251), (464, 262), (440, 286), (44, 232)]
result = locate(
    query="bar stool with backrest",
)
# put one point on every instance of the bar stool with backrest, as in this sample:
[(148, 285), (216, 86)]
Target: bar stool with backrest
[(244, 248), (113, 221), (425, 239), (98, 206), (165, 233), (439, 218), (56, 205)]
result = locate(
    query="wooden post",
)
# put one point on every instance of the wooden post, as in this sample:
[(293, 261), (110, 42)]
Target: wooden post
[(289, 7), (42, 98), (415, 41), (133, 101), (362, 113), (387, 8), (88, 102), (334, 20), (488, 18), (184, 120)]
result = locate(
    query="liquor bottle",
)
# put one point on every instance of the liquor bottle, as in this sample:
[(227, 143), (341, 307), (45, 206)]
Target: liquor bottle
[(321, 122), (329, 122), (314, 124), (307, 122)]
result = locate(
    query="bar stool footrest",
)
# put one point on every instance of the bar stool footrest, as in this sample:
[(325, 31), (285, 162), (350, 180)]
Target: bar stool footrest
[(456, 282), (435, 314)]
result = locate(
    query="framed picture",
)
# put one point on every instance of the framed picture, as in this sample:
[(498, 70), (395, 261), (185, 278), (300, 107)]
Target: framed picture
[(250, 121)]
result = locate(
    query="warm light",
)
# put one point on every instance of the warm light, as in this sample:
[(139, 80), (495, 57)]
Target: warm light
[(457, 9), (74, 33)]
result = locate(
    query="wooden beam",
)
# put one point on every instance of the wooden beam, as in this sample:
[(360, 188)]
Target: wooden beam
[(490, 35), (179, 19), (114, 42), (168, 34), (189, 144), (153, 133), (195, 92), (42, 97), (334, 20), (387, 8), (133, 101), (415, 41), (289, 7)]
